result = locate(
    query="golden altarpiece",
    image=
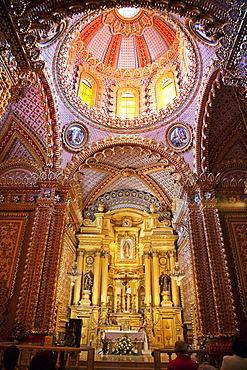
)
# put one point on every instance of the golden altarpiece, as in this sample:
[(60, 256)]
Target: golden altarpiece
[(126, 251)]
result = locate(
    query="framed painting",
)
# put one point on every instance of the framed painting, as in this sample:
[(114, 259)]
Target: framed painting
[(126, 249)]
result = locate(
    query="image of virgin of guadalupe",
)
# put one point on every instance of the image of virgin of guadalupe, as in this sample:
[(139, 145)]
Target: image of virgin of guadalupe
[(127, 249)]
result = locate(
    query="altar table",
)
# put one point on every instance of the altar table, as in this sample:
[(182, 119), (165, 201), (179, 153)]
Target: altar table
[(138, 337)]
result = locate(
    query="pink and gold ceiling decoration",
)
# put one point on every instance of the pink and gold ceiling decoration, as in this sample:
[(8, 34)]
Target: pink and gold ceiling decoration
[(133, 24), (136, 50)]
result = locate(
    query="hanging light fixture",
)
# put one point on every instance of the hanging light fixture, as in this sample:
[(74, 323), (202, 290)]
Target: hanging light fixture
[(177, 274), (74, 274)]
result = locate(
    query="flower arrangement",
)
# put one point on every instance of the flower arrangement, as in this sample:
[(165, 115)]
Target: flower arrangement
[(124, 347), (104, 348), (18, 332)]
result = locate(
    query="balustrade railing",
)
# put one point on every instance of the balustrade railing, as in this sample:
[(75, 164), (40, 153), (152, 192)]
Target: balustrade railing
[(65, 357)]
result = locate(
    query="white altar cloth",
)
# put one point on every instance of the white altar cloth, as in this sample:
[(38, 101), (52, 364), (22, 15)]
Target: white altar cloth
[(135, 336)]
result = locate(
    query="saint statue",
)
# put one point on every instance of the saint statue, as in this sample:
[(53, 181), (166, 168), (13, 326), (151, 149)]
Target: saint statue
[(164, 282), (88, 280)]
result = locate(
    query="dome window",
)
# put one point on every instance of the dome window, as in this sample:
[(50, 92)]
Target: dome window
[(166, 90), (127, 103), (87, 90)]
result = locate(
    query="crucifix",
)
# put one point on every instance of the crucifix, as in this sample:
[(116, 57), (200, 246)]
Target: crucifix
[(126, 295), (125, 281)]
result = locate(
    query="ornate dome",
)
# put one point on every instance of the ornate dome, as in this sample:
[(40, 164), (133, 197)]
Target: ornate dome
[(131, 48), (127, 43)]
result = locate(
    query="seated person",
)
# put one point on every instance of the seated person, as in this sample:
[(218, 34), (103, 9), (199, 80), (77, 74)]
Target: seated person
[(239, 359), (10, 357), (42, 360), (183, 361)]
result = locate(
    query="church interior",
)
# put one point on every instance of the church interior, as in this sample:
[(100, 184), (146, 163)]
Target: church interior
[(123, 170)]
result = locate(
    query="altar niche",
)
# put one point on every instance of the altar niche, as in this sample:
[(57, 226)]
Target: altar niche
[(127, 251), (126, 288)]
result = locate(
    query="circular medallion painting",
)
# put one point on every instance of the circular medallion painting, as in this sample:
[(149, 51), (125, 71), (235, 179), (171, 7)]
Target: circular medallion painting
[(90, 260), (47, 37), (163, 261), (75, 135), (198, 29), (179, 136)]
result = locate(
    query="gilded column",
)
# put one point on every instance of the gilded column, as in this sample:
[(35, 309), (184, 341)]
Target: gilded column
[(104, 278), (174, 286), (96, 282), (147, 278), (156, 287), (77, 288)]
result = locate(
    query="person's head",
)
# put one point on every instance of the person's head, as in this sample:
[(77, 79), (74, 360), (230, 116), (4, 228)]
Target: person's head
[(10, 357), (42, 360), (180, 347), (239, 348)]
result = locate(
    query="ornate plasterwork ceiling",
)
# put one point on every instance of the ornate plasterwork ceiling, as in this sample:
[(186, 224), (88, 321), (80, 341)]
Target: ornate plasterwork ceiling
[(232, 53), (116, 168), (222, 128), (122, 43), (117, 55)]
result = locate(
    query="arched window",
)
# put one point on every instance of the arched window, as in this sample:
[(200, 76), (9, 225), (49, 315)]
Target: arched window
[(127, 103), (166, 90), (87, 90)]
